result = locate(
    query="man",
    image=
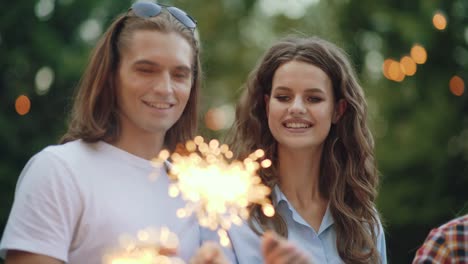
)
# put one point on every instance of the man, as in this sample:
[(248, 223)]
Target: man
[(138, 95), (446, 244)]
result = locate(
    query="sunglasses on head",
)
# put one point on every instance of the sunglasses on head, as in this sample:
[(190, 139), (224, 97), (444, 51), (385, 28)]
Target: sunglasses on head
[(149, 9)]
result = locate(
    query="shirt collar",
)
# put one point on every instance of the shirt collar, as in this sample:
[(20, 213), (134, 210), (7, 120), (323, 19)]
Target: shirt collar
[(278, 197)]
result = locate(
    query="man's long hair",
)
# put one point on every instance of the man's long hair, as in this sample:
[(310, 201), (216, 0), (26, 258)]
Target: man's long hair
[(94, 115)]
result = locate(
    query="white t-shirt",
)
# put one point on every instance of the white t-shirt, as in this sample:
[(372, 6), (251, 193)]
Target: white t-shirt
[(74, 201)]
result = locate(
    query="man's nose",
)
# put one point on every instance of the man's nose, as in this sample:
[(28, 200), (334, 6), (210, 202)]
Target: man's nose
[(163, 84)]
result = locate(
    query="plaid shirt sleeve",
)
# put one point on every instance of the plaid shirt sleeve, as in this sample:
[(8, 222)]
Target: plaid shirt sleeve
[(445, 244)]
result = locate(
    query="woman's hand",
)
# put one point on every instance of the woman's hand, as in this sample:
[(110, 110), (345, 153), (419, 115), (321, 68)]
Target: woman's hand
[(209, 253), (276, 250)]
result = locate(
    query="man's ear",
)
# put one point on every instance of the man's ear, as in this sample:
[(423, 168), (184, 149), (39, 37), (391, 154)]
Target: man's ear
[(266, 97), (340, 109)]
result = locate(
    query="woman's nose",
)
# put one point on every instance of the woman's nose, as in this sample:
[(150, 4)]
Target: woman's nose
[(297, 106)]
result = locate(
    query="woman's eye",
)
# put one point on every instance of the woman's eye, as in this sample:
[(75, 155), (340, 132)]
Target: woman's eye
[(314, 99), (282, 98)]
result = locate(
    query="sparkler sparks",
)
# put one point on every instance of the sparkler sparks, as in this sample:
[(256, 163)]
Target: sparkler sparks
[(148, 247), (217, 191)]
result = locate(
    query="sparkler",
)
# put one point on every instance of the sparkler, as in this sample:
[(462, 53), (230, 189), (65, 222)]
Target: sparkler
[(217, 190), (147, 248)]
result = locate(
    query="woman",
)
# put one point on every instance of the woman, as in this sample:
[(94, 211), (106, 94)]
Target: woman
[(304, 106)]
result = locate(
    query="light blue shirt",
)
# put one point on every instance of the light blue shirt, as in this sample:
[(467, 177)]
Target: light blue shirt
[(320, 246)]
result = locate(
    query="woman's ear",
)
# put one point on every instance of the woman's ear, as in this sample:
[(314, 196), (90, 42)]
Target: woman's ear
[(266, 97), (340, 109)]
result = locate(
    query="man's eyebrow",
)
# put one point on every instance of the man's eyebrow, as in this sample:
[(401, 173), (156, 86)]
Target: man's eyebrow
[(183, 68), (152, 63), (145, 62)]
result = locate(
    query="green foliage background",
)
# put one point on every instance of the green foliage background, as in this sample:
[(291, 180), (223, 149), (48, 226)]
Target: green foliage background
[(421, 128)]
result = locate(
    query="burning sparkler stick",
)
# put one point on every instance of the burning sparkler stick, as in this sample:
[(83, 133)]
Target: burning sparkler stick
[(217, 190)]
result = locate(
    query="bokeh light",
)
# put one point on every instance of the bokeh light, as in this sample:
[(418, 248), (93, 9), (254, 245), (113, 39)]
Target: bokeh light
[(22, 105), (385, 67), (292, 9), (457, 85), (44, 9), (219, 118), (373, 60), (214, 119), (90, 30), (439, 21), (44, 79), (408, 66), (392, 70), (418, 54)]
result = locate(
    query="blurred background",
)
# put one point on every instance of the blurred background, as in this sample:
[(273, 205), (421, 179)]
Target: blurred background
[(411, 56)]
